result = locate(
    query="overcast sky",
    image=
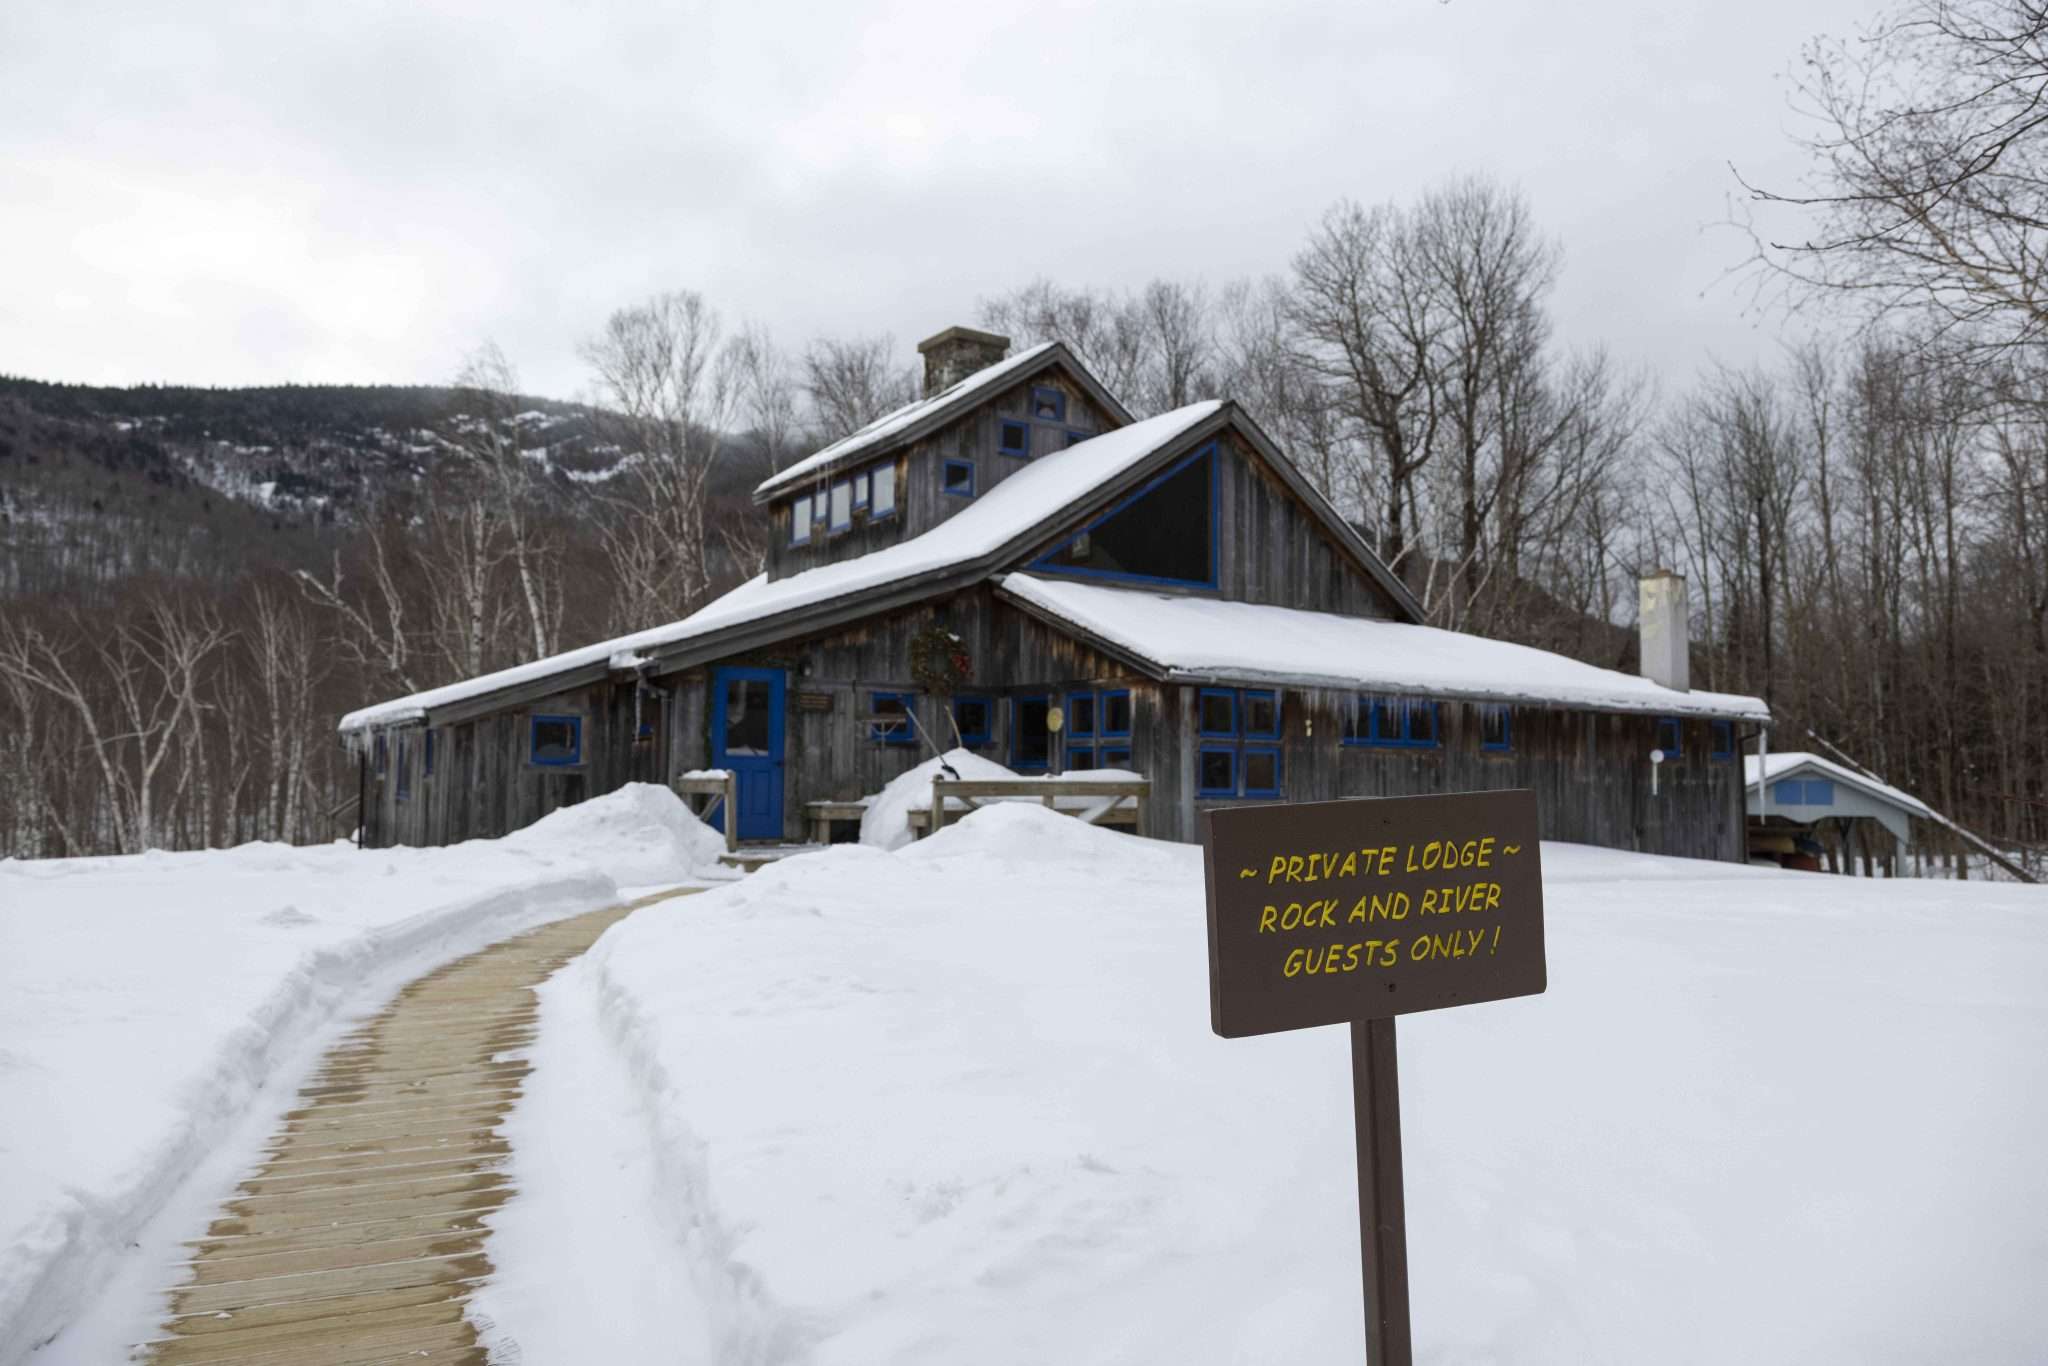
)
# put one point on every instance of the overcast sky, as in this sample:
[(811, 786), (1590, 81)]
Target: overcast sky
[(220, 193)]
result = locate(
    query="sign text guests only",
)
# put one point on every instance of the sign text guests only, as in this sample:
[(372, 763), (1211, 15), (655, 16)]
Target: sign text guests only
[(1354, 912)]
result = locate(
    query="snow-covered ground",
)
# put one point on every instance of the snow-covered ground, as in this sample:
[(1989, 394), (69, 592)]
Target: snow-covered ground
[(960, 1102), (157, 1012)]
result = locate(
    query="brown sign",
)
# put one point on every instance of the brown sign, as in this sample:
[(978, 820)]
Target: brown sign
[(1326, 912)]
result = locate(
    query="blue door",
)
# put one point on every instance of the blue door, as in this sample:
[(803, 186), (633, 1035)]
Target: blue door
[(746, 737)]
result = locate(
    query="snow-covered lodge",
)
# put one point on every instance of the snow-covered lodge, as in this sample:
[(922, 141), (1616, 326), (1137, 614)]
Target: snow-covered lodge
[(1169, 596)]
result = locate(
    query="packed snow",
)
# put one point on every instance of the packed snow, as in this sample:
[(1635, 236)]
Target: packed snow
[(960, 1102), (1204, 638), (991, 522), (157, 1012)]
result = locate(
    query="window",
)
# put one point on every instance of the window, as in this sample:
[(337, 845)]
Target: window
[(555, 741), (428, 755), (382, 755), (1261, 771), (1030, 738), (1724, 740), (1116, 712), (1807, 792), (1163, 533), (1048, 404), (1218, 711), (1113, 756), (1217, 768), (748, 703), (1392, 722), (973, 718), (800, 521), (1075, 438), (819, 502), (842, 505), (959, 478), (1261, 714), (1494, 733), (894, 714), (404, 769), (1080, 757), (882, 500), (1099, 718), (1013, 437), (1081, 714), (860, 492), (1671, 738)]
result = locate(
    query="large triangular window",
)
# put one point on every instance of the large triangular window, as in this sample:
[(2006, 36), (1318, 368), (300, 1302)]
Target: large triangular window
[(1163, 533)]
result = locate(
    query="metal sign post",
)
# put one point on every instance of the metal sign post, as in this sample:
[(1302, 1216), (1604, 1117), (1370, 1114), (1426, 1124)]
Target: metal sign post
[(1358, 911)]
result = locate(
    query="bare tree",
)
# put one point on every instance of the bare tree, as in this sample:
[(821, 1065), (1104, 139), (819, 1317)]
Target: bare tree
[(853, 381)]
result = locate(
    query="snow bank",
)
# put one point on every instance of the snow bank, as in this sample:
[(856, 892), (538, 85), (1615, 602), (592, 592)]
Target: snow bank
[(149, 1004), (886, 825), (961, 1103)]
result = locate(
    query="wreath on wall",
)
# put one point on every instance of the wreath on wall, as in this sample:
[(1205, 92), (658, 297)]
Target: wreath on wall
[(939, 662)]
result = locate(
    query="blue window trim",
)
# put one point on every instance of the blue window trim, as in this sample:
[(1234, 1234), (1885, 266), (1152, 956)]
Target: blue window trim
[(1094, 713), (946, 486), (894, 501), (800, 517), (1121, 753), (1676, 749), (1507, 728), (1278, 782), (902, 732), (1229, 695), (1003, 427), (848, 523), (1081, 747), (1017, 760), (1724, 740), (536, 721), (1059, 401), (1044, 561), (862, 481), (1820, 791), (975, 739), (1102, 725), (1244, 714), (1227, 751), (1075, 438), (1404, 707)]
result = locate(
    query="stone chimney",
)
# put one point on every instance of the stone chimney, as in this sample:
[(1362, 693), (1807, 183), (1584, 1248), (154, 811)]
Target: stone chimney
[(956, 353), (1665, 620)]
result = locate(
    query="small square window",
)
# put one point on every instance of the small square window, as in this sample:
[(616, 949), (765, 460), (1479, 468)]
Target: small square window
[(1116, 712), (1075, 438), (1493, 728), (1218, 772), (1724, 740), (1262, 714), (1218, 711), (1421, 719), (1671, 738), (1080, 713), (892, 723), (555, 741), (842, 505), (1261, 771), (1080, 757), (1013, 437), (972, 715), (959, 478), (1113, 756), (1048, 404), (882, 503)]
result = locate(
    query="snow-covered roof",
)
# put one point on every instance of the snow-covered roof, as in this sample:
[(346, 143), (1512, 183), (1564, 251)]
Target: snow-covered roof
[(1203, 638), (879, 434), (1791, 761), (1032, 495)]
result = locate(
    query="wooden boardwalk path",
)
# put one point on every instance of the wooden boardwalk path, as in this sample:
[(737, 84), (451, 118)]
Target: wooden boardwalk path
[(360, 1236)]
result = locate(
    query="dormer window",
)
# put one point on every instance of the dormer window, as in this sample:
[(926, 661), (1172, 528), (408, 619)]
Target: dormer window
[(959, 478), (882, 492), (800, 521), (1048, 404), (1013, 438), (860, 492), (842, 505)]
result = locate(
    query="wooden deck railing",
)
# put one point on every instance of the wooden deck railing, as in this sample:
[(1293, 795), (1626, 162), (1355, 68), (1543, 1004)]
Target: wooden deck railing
[(722, 786), (1116, 803)]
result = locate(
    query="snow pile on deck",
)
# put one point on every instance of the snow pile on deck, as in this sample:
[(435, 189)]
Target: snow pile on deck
[(961, 1103), (157, 1011), (887, 822)]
